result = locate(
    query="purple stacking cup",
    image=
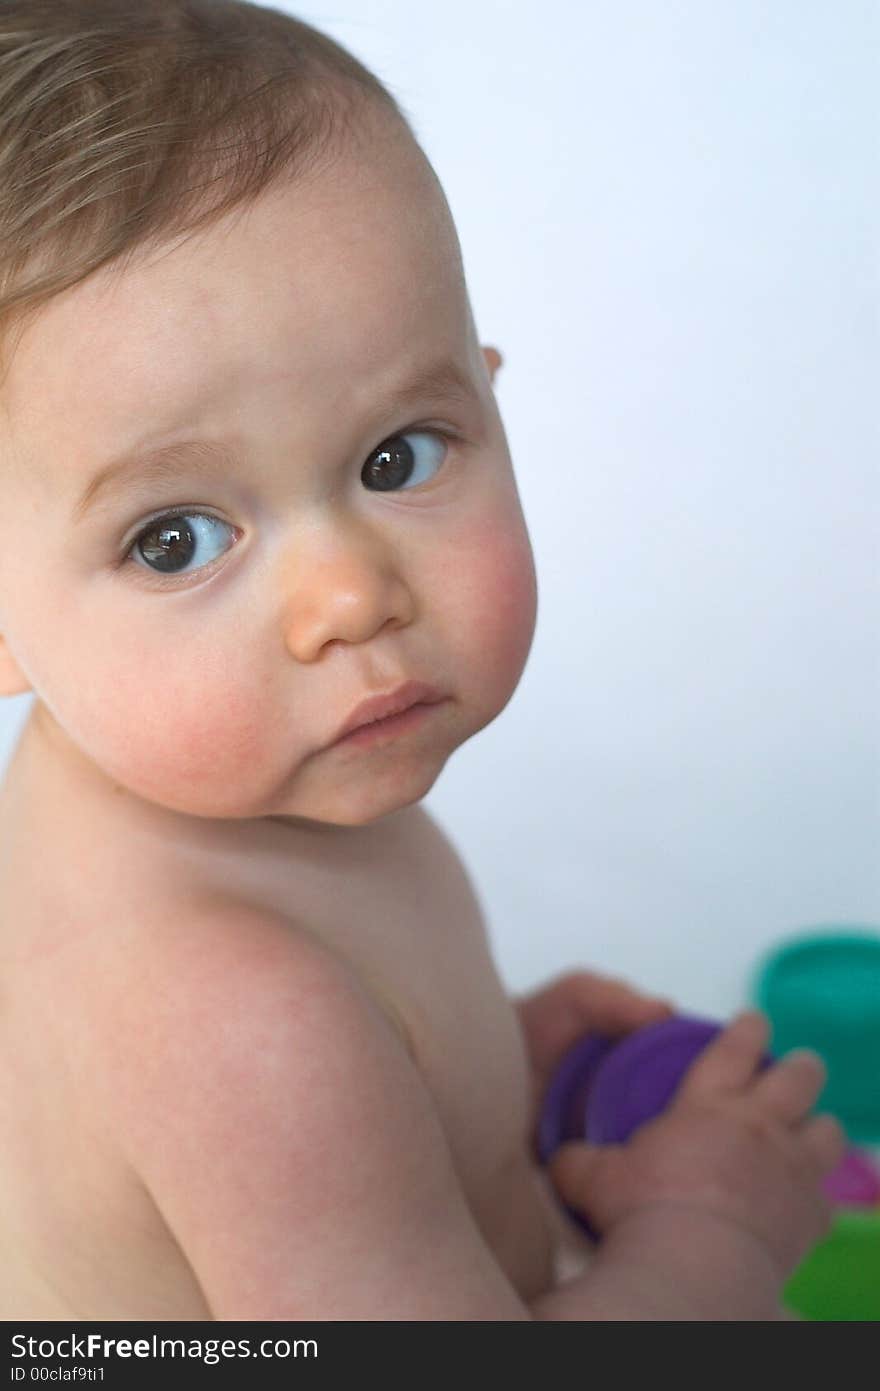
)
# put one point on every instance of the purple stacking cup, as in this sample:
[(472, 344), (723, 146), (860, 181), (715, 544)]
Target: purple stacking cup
[(604, 1088)]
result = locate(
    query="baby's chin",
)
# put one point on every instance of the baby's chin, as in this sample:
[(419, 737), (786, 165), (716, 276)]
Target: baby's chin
[(377, 800)]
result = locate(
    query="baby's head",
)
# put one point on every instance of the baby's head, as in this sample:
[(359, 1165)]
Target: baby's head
[(220, 234)]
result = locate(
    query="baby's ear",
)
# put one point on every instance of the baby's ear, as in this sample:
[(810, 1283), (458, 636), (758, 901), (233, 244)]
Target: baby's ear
[(493, 361), (13, 680)]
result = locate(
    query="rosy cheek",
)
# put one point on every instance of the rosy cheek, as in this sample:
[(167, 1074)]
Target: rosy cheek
[(202, 747), (496, 594)]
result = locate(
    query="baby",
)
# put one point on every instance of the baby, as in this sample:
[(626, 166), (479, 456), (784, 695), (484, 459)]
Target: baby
[(264, 569)]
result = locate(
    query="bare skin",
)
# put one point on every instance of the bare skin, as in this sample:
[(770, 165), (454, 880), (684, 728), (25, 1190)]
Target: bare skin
[(254, 1044), (76, 967)]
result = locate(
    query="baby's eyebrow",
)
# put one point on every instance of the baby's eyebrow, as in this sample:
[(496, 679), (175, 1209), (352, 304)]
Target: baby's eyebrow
[(437, 381)]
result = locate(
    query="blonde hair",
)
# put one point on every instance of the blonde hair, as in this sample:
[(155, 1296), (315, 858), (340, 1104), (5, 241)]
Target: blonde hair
[(126, 122)]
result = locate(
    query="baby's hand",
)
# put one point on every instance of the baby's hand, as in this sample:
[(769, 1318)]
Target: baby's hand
[(735, 1142), (579, 1002)]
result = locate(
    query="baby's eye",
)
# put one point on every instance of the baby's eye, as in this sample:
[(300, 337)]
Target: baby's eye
[(168, 543), (395, 461)]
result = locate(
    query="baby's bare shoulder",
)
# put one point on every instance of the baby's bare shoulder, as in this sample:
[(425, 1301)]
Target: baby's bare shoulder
[(227, 984), (283, 1132)]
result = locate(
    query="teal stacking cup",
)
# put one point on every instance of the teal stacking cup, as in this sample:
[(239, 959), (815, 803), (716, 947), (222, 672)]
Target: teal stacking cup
[(821, 990)]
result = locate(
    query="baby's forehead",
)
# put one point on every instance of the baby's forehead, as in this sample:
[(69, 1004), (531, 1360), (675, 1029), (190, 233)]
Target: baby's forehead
[(360, 262), (244, 326)]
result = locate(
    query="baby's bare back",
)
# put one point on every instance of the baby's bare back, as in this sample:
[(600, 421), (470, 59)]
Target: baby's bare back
[(98, 917)]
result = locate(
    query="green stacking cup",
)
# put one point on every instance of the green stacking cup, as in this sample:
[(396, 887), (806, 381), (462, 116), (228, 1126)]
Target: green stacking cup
[(839, 1281)]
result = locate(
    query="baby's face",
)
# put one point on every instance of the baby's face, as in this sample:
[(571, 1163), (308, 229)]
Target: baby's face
[(205, 663)]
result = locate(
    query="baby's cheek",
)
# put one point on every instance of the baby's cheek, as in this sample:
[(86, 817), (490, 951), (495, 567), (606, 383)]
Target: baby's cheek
[(201, 747), (496, 601)]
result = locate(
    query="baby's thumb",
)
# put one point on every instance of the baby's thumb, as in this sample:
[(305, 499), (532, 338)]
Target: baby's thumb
[(571, 1171)]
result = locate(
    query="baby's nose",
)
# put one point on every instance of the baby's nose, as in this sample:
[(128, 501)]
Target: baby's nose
[(345, 591)]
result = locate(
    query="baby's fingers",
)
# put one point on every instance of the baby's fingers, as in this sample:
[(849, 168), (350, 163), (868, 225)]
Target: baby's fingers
[(826, 1140), (571, 1169), (789, 1088), (730, 1061), (574, 1170)]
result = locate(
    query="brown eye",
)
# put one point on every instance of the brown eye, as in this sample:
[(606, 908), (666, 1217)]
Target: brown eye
[(393, 464), (170, 543)]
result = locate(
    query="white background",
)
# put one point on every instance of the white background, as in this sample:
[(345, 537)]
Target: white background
[(669, 218)]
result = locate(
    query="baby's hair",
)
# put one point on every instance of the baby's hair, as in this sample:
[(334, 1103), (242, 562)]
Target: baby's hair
[(124, 123)]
